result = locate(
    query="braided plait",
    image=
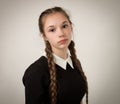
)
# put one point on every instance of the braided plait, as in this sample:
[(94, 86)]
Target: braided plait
[(51, 65), (77, 63)]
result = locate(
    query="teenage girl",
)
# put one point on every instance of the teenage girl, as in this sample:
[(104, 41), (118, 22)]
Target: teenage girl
[(56, 77)]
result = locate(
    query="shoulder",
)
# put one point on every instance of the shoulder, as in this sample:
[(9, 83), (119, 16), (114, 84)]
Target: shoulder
[(37, 69)]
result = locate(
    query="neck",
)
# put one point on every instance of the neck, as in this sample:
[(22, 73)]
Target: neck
[(61, 53)]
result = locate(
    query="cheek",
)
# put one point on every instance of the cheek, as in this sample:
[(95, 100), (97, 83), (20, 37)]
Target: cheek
[(69, 30), (70, 33), (50, 39), (46, 36)]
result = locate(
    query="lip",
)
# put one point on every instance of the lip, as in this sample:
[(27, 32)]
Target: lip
[(63, 41)]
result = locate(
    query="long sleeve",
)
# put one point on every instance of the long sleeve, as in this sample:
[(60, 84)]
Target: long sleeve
[(36, 82)]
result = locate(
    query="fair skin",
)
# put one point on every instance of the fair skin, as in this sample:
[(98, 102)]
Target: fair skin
[(58, 31)]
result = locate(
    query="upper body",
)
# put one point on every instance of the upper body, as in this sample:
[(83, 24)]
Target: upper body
[(70, 84), (46, 82)]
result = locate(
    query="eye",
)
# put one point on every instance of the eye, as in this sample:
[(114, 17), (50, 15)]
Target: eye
[(65, 25), (52, 30)]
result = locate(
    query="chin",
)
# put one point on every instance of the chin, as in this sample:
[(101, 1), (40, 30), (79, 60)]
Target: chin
[(64, 46)]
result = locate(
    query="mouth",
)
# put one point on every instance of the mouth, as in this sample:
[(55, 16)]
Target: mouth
[(63, 41)]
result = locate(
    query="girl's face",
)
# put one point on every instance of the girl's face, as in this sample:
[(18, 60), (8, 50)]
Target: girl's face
[(58, 31)]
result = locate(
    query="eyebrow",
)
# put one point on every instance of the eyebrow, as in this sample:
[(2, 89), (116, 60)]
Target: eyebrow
[(53, 25), (65, 22)]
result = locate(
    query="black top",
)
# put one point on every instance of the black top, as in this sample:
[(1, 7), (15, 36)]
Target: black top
[(70, 84)]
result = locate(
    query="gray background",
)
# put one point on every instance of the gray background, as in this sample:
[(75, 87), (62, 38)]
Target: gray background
[(96, 34)]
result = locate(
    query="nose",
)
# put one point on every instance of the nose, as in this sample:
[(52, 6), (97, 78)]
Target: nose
[(60, 32)]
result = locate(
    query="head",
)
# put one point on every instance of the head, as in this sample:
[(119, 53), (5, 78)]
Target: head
[(56, 28)]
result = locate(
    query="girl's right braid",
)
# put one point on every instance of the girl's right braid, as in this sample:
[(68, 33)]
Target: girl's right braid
[(51, 65), (77, 63)]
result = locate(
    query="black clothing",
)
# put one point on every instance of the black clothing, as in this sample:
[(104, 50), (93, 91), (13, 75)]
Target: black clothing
[(70, 84)]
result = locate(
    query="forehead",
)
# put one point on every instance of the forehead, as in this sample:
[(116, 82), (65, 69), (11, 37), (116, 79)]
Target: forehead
[(54, 19)]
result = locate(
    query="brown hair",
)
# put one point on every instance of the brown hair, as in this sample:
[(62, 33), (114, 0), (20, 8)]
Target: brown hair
[(51, 63)]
